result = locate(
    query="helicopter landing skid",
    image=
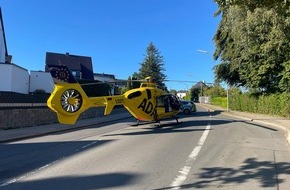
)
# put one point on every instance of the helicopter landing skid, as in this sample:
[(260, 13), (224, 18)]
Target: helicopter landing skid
[(158, 122), (176, 119), (139, 122), (159, 125)]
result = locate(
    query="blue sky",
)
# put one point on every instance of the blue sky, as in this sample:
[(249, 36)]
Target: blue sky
[(115, 33)]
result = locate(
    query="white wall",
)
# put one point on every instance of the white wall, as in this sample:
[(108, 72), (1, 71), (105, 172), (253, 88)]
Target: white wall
[(181, 94), (103, 78), (5, 77), (41, 80), (13, 78)]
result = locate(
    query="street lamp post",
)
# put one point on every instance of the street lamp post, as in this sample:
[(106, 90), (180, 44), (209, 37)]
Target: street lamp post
[(227, 97), (206, 52)]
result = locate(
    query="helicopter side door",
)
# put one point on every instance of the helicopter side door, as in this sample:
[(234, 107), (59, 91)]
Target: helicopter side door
[(163, 106)]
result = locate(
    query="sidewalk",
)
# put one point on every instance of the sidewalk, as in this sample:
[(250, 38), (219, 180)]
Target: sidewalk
[(29, 132), (278, 122)]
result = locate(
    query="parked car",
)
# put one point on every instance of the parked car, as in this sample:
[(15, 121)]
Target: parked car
[(187, 106)]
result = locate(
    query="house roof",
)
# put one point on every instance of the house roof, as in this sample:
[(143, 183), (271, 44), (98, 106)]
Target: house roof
[(73, 62), (199, 84)]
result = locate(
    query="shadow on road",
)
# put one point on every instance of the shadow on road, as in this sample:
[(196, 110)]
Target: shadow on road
[(168, 127), (188, 123), (20, 159), (264, 172), (89, 182)]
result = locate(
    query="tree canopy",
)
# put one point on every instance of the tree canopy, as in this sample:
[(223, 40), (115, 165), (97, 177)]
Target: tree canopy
[(152, 65), (253, 44)]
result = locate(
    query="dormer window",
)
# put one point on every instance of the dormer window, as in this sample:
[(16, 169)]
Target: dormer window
[(77, 74)]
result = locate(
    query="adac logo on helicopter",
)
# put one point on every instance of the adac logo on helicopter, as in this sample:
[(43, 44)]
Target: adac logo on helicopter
[(146, 106)]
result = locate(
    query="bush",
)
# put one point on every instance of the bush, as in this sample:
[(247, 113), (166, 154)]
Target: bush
[(274, 104), (219, 101)]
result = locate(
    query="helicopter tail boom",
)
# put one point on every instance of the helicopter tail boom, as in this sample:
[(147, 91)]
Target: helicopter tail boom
[(111, 102)]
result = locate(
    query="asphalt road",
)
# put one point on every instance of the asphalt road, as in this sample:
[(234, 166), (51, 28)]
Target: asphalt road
[(205, 151)]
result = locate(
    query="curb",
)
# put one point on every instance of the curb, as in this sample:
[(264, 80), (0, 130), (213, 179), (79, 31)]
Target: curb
[(71, 128)]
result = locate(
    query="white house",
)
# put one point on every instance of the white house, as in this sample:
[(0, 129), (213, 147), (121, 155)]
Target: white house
[(40, 80), (14, 78), (181, 94), (104, 77)]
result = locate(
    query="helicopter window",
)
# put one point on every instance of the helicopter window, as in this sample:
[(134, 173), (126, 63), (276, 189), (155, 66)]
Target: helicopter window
[(160, 101), (175, 103), (134, 94)]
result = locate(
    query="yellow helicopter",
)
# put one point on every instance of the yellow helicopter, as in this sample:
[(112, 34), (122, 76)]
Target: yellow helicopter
[(146, 103)]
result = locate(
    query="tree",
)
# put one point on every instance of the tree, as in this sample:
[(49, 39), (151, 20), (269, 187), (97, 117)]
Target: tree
[(252, 42), (172, 91), (252, 4), (194, 93), (153, 65), (214, 91), (197, 90), (135, 83), (129, 84)]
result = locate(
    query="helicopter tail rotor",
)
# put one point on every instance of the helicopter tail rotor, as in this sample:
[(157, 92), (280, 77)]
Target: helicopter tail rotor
[(68, 99)]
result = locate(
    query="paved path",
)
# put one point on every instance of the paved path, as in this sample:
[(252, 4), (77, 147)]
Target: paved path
[(278, 122)]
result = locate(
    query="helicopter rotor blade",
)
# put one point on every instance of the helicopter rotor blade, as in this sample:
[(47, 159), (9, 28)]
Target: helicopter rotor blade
[(109, 82), (188, 81)]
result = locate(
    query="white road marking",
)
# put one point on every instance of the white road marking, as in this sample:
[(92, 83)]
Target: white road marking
[(183, 172), (29, 173), (43, 167), (90, 144)]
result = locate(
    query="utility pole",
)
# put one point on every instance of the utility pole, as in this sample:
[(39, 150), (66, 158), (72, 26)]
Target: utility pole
[(206, 52), (227, 97)]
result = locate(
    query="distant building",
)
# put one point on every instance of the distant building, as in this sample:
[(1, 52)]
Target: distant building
[(81, 66), (13, 77), (104, 77), (40, 80), (109, 78), (181, 94)]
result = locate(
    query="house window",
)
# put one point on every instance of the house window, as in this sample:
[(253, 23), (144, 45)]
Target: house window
[(77, 74)]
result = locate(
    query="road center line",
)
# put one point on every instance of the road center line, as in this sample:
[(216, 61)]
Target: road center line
[(44, 167), (183, 172)]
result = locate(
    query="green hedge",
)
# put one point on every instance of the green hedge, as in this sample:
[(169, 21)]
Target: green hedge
[(219, 101), (275, 104)]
